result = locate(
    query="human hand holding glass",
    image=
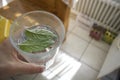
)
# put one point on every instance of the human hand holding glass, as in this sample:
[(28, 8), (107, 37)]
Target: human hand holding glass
[(32, 31), (12, 64)]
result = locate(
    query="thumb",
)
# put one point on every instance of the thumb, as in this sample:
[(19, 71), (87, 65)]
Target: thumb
[(23, 67), (29, 68)]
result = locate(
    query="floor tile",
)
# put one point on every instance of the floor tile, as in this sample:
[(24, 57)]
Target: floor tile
[(83, 25), (40, 77), (82, 33), (57, 60), (56, 78), (83, 73), (25, 77), (71, 24), (94, 57), (52, 71), (101, 45), (85, 20), (74, 45), (49, 76), (63, 67), (68, 66)]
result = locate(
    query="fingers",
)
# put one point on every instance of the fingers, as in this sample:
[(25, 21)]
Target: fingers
[(30, 68), (17, 66), (23, 67)]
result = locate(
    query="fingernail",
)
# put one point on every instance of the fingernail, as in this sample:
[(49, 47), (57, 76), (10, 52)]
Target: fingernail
[(42, 68)]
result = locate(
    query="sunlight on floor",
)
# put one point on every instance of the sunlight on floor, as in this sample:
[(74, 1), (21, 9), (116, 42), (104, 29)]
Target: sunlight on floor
[(67, 67)]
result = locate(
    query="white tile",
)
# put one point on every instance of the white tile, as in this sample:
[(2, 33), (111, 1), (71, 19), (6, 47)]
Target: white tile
[(57, 61), (53, 71), (82, 33), (74, 45), (94, 57), (69, 72), (71, 25), (83, 73), (46, 72), (40, 77), (49, 76), (56, 78), (104, 46), (25, 77), (85, 20), (83, 25), (66, 66)]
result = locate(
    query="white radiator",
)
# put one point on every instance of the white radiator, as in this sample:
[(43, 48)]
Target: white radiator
[(103, 12)]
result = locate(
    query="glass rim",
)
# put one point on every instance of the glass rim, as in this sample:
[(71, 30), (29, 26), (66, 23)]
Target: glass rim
[(43, 53)]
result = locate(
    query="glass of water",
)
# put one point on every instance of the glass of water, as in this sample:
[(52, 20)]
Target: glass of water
[(38, 23)]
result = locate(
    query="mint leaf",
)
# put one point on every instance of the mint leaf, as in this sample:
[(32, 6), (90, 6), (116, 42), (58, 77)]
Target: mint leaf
[(35, 46), (40, 34), (37, 40)]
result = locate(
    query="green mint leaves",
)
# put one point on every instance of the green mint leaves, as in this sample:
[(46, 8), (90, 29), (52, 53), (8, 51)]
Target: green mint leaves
[(37, 40)]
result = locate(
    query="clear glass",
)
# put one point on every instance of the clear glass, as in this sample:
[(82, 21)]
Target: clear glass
[(37, 18)]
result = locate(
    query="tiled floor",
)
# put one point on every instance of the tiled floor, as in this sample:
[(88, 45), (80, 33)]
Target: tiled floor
[(94, 57), (74, 45), (80, 57)]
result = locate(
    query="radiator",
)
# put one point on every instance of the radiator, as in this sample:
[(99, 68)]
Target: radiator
[(101, 11)]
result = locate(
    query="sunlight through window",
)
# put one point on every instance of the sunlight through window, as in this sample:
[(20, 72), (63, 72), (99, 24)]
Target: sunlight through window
[(4, 3)]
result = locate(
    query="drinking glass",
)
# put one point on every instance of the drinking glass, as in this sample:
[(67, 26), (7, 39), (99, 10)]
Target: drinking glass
[(34, 18)]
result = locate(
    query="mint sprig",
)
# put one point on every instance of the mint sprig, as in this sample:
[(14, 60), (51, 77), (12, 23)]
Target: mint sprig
[(37, 40)]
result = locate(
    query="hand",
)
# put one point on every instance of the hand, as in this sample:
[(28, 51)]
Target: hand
[(11, 64)]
